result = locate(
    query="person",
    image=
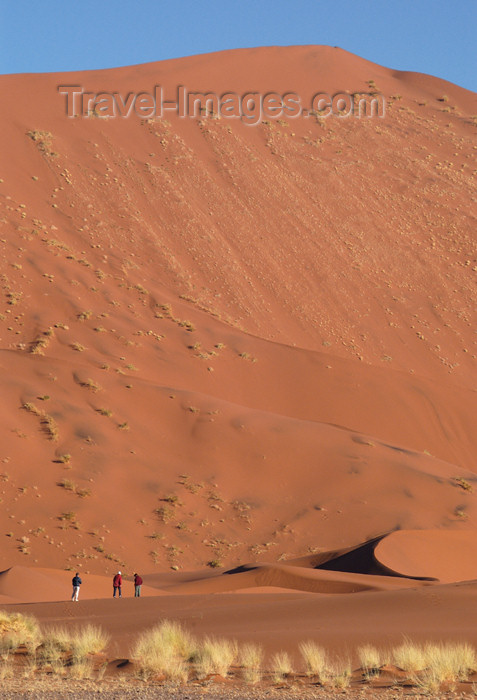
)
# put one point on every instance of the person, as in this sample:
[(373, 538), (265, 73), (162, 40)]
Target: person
[(137, 585), (117, 583), (76, 581)]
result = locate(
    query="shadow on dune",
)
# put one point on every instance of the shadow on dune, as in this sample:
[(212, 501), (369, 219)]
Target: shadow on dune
[(360, 559)]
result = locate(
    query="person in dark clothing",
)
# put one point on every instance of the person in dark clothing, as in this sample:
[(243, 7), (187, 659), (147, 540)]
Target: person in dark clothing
[(117, 583), (137, 585), (76, 581)]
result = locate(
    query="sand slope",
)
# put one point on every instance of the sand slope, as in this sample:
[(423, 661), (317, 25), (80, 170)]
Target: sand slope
[(254, 343)]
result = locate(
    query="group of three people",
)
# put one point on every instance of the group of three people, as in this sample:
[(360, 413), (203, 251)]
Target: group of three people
[(117, 585)]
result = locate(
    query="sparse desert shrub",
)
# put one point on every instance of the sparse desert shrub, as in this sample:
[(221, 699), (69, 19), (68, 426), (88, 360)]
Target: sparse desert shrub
[(82, 669), (315, 659), (172, 498), (69, 515), (83, 493), (164, 650), (31, 408), (49, 426), (48, 423), (62, 646), (370, 659), (428, 681), (251, 661), (450, 661), (339, 675), (409, 656), (55, 645), (164, 513), (84, 315), (67, 484), (89, 384), (89, 639), (215, 656), (281, 666), (6, 668), (17, 629), (463, 483), (214, 563)]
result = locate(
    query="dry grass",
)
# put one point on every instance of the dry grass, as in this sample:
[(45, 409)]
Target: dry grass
[(67, 484), (281, 666), (451, 661), (315, 659), (430, 665), (251, 661), (409, 656), (165, 650), (88, 640), (82, 669), (89, 384), (62, 647), (16, 630), (215, 656), (6, 668), (370, 659), (338, 675)]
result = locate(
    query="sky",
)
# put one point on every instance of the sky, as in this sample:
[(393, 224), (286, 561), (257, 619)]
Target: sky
[(428, 36)]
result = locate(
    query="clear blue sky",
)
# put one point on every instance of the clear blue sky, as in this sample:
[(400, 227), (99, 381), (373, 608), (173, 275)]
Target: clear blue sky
[(429, 36)]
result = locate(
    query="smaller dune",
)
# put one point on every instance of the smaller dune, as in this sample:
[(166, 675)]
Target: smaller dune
[(257, 577), (446, 555)]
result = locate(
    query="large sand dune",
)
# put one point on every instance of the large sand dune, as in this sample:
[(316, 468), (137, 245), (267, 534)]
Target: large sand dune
[(248, 348)]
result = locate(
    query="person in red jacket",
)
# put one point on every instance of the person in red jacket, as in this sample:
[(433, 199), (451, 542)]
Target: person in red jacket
[(117, 583), (137, 585)]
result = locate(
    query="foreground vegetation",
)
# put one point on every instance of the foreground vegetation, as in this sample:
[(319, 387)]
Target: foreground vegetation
[(168, 652)]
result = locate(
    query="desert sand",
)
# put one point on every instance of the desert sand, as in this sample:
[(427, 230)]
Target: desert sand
[(241, 360)]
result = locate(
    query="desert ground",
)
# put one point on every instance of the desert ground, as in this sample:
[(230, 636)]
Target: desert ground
[(241, 360)]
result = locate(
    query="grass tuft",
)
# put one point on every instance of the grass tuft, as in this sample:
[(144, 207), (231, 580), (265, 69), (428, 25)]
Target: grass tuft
[(315, 659), (251, 661), (281, 666), (164, 650), (215, 656)]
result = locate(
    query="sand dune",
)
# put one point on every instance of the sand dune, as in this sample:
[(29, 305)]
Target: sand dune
[(240, 359), (447, 556)]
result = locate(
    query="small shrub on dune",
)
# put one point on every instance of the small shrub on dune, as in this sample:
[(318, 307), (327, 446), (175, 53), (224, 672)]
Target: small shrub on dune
[(281, 666), (55, 646), (81, 670), (88, 640), (215, 656), (17, 630), (61, 647), (251, 661), (165, 650), (409, 656), (338, 675), (451, 661), (179, 639), (370, 659), (428, 681), (6, 668), (315, 659)]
